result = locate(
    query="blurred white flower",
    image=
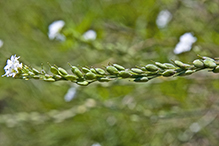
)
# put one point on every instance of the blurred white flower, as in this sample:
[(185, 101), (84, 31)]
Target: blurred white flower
[(96, 144), (11, 69), (70, 94), (163, 18), (1, 43), (54, 30), (185, 43), (90, 35)]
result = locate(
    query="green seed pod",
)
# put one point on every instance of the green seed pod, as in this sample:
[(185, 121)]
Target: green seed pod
[(181, 64), (168, 73), (119, 67), (209, 63), (36, 77), (83, 83), (93, 70), (198, 63), (62, 71), (216, 69), (54, 70), (49, 80), (160, 65), (136, 70), (35, 71), (169, 65), (76, 71), (100, 71), (85, 70), (189, 72), (151, 67), (124, 74), (90, 76), (208, 58), (112, 70), (71, 77), (143, 69), (141, 79), (104, 79), (58, 77)]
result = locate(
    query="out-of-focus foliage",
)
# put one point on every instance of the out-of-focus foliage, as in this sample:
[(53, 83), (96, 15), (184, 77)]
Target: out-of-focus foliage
[(178, 111)]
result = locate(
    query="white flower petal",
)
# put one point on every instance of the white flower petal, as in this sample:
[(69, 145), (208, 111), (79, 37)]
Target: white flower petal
[(54, 29), (90, 35)]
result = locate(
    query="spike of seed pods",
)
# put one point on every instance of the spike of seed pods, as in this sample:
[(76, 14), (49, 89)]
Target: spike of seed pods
[(71, 77), (136, 70), (169, 65), (85, 70), (160, 65), (112, 70), (168, 73), (119, 67), (62, 71), (216, 69), (141, 79), (90, 76), (209, 63), (83, 83), (100, 71), (124, 74), (151, 67), (198, 63)]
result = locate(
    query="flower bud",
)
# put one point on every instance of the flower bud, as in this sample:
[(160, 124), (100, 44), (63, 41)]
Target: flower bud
[(100, 71), (119, 67), (124, 74), (168, 73), (85, 70), (71, 77), (216, 69), (209, 63), (112, 70), (136, 70), (160, 65), (141, 79), (54, 70), (83, 83), (90, 76), (151, 67), (198, 63), (169, 65), (62, 71)]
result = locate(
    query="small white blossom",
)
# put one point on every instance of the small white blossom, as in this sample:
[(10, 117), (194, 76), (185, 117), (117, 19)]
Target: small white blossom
[(185, 43), (163, 18), (54, 30), (70, 94), (1, 43), (90, 35), (11, 69)]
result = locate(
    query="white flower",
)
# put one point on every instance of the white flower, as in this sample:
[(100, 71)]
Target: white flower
[(70, 94), (11, 69), (54, 30), (163, 18), (185, 43), (1, 43), (96, 144), (90, 35)]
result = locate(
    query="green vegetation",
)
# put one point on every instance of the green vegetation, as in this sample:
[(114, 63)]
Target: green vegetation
[(125, 41)]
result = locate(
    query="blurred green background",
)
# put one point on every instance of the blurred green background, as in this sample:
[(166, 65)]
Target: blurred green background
[(163, 112)]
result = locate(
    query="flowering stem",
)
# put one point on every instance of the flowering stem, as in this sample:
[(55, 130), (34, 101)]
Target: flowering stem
[(84, 76)]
